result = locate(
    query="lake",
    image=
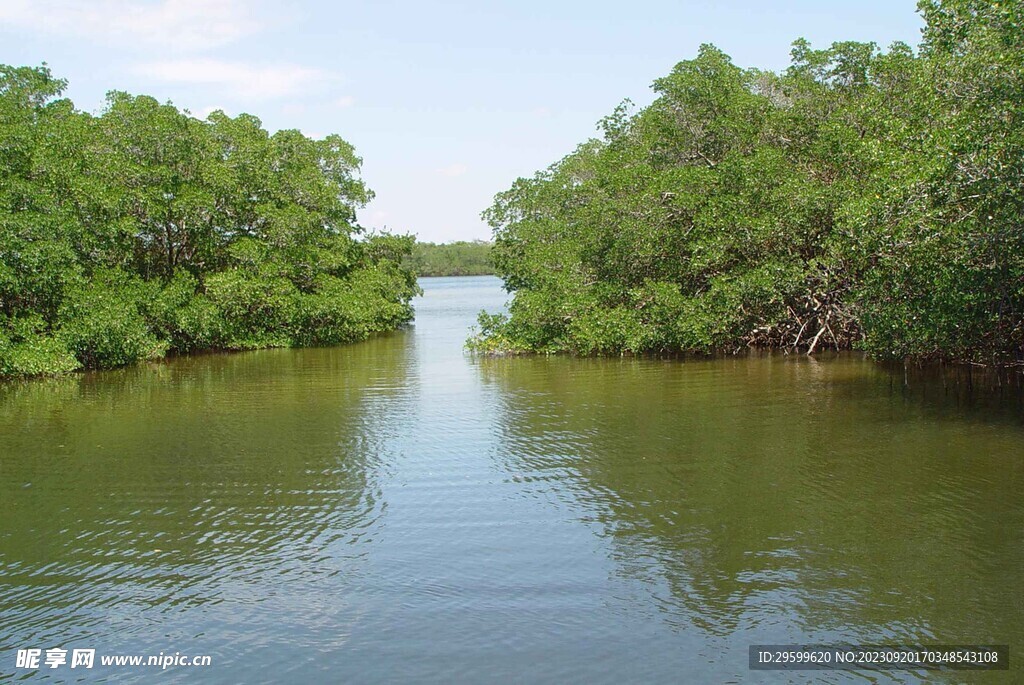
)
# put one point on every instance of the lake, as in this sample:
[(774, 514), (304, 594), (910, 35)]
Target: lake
[(397, 511)]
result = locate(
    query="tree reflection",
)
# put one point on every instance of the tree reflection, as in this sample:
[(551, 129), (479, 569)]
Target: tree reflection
[(180, 486), (780, 497)]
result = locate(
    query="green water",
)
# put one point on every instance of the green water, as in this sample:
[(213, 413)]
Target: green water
[(396, 511)]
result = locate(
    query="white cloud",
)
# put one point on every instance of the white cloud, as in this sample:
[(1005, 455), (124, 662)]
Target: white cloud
[(452, 170), (243, 80), (344, 102), (177, 24)]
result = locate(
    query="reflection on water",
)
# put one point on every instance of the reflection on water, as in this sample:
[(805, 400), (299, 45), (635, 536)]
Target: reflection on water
[(779, 499), (396, 511), (202, 506)]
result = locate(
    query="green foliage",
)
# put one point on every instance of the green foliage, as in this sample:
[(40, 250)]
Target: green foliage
[(101, 322), (200, 325), (144, 230), (255, 307), (490, 336), (26, 350), (460, 258), (859, 198)]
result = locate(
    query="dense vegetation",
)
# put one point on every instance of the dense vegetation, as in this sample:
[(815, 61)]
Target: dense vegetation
[(143, 231), (860, 198), (461, 258)]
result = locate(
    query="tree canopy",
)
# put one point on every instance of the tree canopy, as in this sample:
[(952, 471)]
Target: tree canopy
[(459, 258), (143, 230), (860, 198)]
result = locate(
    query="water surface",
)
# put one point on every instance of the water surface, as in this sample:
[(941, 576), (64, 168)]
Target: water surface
[(398, 511)]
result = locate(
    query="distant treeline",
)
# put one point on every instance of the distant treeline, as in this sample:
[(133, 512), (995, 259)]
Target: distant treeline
[(860, 198), (143, 231), (451, 259)]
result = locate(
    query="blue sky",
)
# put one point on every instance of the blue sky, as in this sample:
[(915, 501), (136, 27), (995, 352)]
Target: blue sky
[(447, 102)]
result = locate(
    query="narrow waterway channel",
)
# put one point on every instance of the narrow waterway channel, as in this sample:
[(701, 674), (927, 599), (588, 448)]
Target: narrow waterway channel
[(397, 511)]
